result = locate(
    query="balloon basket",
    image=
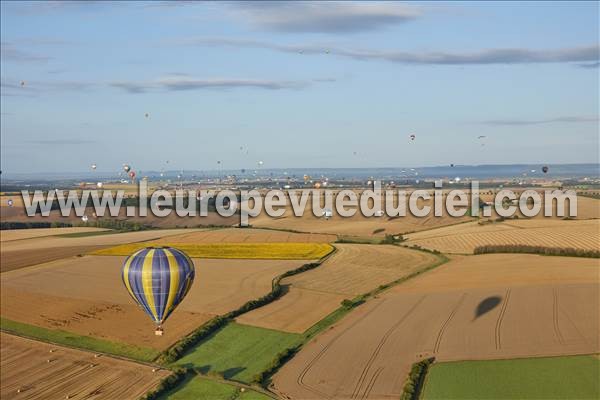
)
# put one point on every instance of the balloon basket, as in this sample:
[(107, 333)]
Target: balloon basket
[(159, 331)]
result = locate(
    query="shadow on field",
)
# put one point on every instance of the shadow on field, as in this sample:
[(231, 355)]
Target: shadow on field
[(487, 305)]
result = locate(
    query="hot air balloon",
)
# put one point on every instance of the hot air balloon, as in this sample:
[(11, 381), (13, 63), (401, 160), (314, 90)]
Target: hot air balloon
[(158, 279), (317, 185), (126, 168), (243, 170), (413, 136), (99, 185), (22, 83), (94, 166), (146, 115), (545, 169), (481, 137), (85, 218), (10, 202), (132, 174), (260, 163)]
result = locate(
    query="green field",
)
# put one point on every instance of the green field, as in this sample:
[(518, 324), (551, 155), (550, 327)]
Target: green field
[(199, 388), (238, 352), (572, 377), (82, 342)]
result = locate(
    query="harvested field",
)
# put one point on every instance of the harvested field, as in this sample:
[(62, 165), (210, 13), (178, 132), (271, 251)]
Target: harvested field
[(18, 234), (85, 295), (30, 371), (253, 251), (352, 270), (22, 253), (477, 307), (464, 238), (236, 235)]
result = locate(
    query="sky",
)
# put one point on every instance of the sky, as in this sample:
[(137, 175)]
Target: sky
[(297, 85)]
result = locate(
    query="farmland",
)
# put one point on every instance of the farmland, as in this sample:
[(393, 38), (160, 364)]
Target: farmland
[(464, 238), (571, 377), (35, 370), (478, 307), (25, 252), (257, 251), (85, 295), (238, 352), (352, 270), (205, 389)]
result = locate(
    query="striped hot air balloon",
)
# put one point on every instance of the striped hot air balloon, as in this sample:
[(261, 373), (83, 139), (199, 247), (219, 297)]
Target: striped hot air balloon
[(158, 278)]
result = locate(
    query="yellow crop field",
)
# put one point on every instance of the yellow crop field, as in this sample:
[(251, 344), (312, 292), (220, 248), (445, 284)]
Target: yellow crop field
[(264, 251)]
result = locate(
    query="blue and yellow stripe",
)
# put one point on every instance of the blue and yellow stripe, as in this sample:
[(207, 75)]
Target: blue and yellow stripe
[(158, 279)]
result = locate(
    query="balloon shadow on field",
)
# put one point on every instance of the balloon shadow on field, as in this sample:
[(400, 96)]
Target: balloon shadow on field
[(487, 305)]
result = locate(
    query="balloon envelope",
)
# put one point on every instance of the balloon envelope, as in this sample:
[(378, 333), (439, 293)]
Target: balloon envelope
[(158, 279)]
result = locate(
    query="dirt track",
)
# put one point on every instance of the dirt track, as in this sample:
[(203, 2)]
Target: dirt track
[(463, 238), (478, 307), (30, 371), (85, 295), (354, 269)]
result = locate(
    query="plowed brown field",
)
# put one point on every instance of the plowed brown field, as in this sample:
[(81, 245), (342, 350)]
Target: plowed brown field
[(477, 307), (22, 253), (29, 370)]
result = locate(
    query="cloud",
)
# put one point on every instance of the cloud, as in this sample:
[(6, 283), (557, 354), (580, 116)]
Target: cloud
[(182, 82), (60, 142), (483, 57), (590, 65), (10, 52), (516, 122), (323, 17)]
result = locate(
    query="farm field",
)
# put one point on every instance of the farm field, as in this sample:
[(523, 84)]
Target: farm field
[(262, 251), (18, 234), (26, 252), (464, 238), (205, 389), (238, 352), (354, 269), (477, 307), (236, 235), (30, 371), (574, 377), (85, 295)]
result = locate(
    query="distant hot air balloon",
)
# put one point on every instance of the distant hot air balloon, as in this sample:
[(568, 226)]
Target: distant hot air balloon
[(260, 163), (126, 168), (413, 137), (317, 185), (22, 83), (10, 202), (94, 166), (481, 137), (132, 174), (158, 279), (146, 115), (84, 218), (452, 165), (99, 185), (545, 169)]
